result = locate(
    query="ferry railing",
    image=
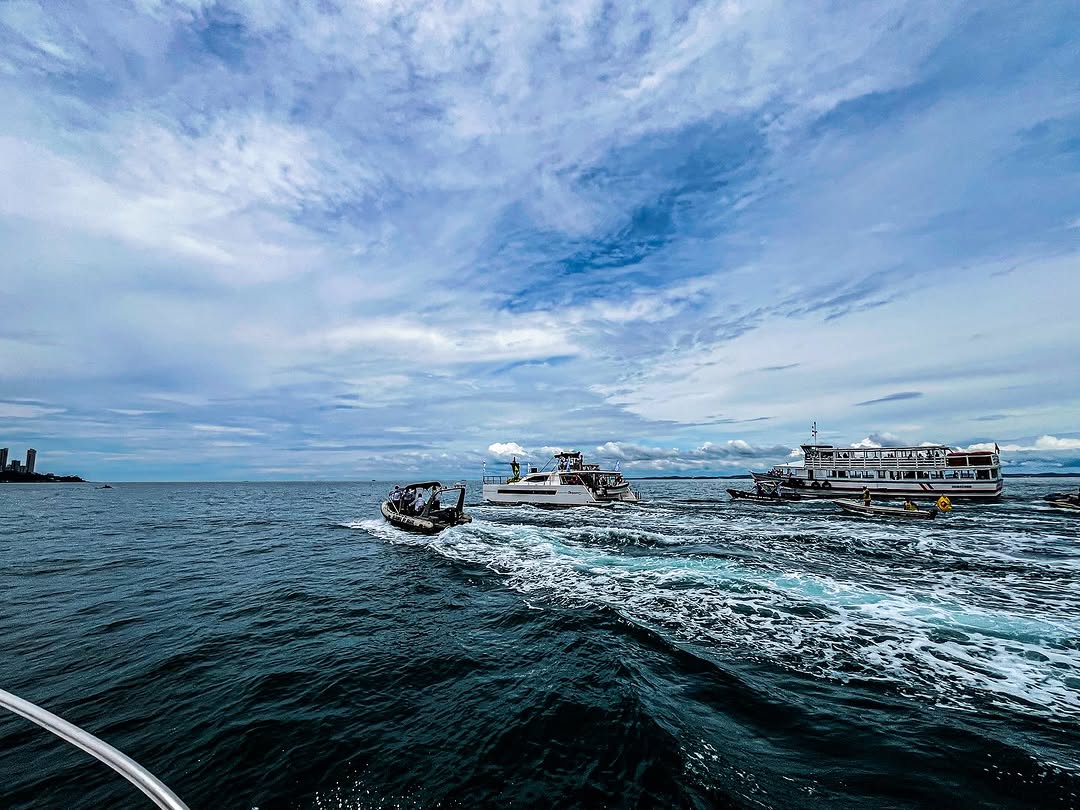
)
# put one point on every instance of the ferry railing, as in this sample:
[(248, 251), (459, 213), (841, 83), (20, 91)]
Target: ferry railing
[(117, 760)]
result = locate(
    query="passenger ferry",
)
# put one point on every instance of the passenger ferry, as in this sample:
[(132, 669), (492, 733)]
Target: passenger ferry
[(568, 482), (926, 471)]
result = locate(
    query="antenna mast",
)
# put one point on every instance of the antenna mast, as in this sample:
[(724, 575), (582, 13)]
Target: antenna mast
[(813, 432)]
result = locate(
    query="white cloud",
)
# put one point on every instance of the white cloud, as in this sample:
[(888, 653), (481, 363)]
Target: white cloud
[(1042, 443), (507, 450), (19, 410), (227, 429)]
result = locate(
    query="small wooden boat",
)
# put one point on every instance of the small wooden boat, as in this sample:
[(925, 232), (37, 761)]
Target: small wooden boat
[(859, 508), (1065, 504), (745, 495), (442, 508)]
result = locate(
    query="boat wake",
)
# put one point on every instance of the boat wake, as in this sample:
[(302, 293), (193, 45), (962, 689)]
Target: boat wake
[(926, 614)]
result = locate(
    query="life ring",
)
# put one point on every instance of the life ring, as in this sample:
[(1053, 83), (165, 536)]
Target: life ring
[(826, 485), (944, 504), (816, 485)]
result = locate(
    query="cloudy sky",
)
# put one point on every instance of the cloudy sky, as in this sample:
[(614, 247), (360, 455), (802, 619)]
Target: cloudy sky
[(346, 239)]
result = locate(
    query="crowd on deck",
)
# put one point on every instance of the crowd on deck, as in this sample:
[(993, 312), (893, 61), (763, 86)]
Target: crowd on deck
[(411, 501)]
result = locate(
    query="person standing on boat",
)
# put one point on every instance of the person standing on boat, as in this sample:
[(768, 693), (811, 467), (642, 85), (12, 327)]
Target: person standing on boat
[(395, 497), (515, 469), (909, 505), (418, 504), (866, 496)]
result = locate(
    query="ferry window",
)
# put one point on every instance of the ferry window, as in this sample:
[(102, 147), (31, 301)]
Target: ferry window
[(983, 474), (909, 475), (841, 474), (957, 461), (923, 475)]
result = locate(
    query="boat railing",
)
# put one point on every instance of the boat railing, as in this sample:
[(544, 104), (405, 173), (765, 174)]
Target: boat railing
[(118, 761), (887, 464)]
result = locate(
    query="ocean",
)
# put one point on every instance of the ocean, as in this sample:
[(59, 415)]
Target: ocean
[(277, 645)]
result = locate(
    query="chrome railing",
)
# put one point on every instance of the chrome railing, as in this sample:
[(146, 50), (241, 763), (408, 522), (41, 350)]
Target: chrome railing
[(118, 761)]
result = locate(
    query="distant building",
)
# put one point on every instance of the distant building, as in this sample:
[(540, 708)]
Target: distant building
[(3, 458), (15, 466), (31, 459)]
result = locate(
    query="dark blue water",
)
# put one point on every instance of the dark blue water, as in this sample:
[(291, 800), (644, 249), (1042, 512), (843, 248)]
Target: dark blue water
[(278, 646)]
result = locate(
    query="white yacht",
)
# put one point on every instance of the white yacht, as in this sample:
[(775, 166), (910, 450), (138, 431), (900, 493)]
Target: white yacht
[(566, 480), (923, 471)]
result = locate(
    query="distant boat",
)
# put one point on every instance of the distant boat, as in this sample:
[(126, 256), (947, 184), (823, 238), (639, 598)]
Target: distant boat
[(566, 480), (857, 508), (107, 486), (443, 507)]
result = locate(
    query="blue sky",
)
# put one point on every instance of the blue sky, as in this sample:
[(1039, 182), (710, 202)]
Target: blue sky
[(279, 239)]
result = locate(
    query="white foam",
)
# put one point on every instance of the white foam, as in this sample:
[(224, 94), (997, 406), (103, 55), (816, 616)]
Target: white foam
[(979, 627)]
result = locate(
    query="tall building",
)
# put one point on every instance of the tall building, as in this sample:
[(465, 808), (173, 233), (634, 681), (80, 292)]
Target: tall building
[(3, 458), (31, 459)]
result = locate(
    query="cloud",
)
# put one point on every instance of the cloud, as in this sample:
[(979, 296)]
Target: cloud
[(22, 410), (898, 396), (242, 431), (881, 440), (1042, 443), (507, 450), (733, 453)]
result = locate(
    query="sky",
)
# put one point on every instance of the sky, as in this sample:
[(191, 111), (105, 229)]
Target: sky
[(273, 239)]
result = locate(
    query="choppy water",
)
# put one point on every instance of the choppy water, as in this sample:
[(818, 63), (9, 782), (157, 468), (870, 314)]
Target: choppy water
[(277, 645)]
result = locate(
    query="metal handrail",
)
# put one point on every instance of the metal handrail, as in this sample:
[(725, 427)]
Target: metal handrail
[(118, 761)]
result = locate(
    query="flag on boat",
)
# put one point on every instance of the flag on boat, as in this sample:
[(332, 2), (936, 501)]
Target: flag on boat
[(996, 448)]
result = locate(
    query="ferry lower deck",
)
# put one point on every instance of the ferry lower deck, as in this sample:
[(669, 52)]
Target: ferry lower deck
[(838, 487)]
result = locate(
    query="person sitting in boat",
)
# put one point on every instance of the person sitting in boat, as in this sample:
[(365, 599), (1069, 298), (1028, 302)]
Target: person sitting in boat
[(866, 496), (759, 488), (909, 505)]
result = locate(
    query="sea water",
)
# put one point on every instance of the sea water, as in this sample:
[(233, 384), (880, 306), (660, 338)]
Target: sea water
[(278, 645)]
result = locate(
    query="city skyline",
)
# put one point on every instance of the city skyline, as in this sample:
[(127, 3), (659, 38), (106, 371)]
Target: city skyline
[(18, 465), (248, 240)]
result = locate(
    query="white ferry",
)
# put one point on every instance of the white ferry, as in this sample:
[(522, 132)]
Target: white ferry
[(568, 482), (926, 471)]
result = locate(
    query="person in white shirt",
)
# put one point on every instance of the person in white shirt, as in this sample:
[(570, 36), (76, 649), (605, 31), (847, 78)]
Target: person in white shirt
[(418, 504)]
